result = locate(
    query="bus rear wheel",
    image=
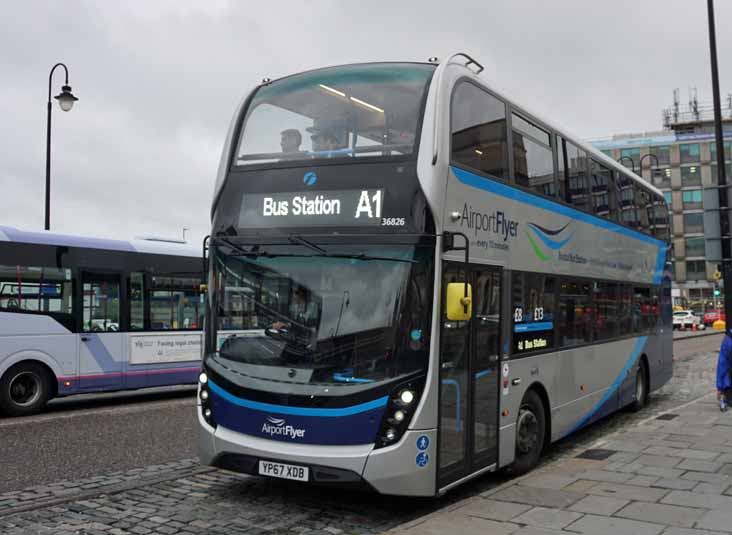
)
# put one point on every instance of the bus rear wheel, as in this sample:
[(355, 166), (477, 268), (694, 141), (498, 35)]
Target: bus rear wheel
[(641, 392), (530, 432), (24, 389)]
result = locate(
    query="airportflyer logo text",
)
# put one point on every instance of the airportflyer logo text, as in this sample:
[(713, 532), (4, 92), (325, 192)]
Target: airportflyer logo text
[(279, 427), (552, 239)]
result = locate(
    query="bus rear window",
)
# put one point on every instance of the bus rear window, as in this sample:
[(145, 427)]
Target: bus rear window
[(340, 112)]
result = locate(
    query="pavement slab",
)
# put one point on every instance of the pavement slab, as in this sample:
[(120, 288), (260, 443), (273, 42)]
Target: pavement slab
[(538, 497), (599, 505), (604, 525), (661, 514), (547, 518)]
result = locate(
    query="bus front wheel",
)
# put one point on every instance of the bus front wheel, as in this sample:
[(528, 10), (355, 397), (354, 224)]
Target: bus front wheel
[(24, 389), (530, 432)]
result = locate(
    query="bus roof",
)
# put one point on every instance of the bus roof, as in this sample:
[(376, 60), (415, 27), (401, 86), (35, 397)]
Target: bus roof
[(44, 237)]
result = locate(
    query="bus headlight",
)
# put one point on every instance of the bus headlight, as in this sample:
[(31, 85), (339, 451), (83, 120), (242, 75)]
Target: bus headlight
[(205, 397), (406, 397), (398, 414)]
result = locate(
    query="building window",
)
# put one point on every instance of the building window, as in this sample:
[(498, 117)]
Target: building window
[(693, 223), (692, 199), (727, 173), (479, 131), (727, 150), (663, 153), (696, 270), (608, 153), (691, 175), (532, 157), (575, 313), (695, 247), (668, 197), (633, 154), (533, 312), (689, 153)]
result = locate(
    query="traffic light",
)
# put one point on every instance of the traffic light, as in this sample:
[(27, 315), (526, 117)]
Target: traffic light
[(716, 292)]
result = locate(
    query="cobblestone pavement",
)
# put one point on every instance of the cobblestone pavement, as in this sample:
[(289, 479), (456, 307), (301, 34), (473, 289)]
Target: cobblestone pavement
[(184, 498)]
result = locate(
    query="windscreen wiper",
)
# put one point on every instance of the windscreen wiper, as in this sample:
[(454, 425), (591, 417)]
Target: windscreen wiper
[(299, 240), (364, 256)]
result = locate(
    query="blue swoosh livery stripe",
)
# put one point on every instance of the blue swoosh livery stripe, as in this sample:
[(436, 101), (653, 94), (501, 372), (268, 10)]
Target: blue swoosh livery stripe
[(297, 411), (552, 244), (632, 361)]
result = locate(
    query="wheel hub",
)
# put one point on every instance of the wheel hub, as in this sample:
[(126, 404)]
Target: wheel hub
[(528, 431), (25, 388)]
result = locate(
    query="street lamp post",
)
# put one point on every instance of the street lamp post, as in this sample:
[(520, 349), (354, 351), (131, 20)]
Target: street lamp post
[(724, 209), (632, 163), (649, 155), (66, 101)]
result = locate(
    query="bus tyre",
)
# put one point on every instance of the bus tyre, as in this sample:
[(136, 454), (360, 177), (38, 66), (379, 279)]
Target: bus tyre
[(640, 393), (24, 389), (530, 432)]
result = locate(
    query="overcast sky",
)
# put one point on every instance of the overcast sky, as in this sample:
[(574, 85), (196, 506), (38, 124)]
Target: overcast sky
[(158, 82)]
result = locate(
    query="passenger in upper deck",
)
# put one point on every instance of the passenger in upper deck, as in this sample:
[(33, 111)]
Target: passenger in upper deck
[(324, 135), (290, 143)]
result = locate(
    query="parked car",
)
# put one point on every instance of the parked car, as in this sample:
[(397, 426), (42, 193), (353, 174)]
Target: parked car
[(687, 319), (710, 316)]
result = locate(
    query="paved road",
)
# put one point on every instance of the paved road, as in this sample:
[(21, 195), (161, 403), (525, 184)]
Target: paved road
[(82, 436), (702, 344), (182, 498)]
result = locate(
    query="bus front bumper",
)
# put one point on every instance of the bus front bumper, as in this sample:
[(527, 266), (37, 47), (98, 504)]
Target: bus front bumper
[(391, 470)]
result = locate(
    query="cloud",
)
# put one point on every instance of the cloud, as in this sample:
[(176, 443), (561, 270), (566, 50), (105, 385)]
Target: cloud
[(158, 83)]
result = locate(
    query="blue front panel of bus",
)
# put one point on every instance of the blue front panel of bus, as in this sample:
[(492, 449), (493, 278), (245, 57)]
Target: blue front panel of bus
[(346, 426)]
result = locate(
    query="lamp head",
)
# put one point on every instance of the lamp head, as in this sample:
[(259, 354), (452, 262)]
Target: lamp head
[(66, 98)]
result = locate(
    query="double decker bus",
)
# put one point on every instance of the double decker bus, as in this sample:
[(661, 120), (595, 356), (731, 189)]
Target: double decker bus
[(476, 282), (81, 314)]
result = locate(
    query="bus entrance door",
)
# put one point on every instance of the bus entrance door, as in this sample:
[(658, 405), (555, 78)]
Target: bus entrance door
[(100, 344), (469, 362)]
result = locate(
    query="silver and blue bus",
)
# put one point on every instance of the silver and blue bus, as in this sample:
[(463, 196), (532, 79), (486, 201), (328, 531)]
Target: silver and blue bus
[(81, 314), (414, 280)]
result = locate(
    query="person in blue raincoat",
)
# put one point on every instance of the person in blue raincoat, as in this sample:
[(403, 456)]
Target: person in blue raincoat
[(724, 371)]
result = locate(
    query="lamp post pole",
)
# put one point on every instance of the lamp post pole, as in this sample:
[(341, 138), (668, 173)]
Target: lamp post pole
[(632, 163), (649, 155), (66, 101), (724, 213)]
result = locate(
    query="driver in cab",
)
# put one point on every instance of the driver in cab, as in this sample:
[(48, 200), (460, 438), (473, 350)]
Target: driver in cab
[(301, 311)]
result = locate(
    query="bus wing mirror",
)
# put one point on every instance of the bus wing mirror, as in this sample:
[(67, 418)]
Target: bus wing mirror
[(459, 301)]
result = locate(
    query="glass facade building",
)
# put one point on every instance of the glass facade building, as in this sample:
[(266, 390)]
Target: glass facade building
[(681, 162)]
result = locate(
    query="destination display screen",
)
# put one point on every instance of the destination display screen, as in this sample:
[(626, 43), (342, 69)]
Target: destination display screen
[(358, 207)]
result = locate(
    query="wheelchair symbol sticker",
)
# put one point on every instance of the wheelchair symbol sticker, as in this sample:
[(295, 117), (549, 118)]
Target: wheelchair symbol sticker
[(423, 443), (422, 459)]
